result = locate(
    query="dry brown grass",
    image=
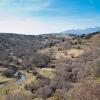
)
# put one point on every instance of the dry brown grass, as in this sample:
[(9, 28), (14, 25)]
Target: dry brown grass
[(74, 52), (47, 72)]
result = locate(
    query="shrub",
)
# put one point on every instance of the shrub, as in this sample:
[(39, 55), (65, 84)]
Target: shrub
[(40, 60), (44, 92), (18, 96), (34, 72), (59, 95), (85, 91), (43, 80), (96, 68)]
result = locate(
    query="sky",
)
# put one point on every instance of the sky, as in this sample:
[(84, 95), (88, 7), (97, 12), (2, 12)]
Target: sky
[(48, 16)]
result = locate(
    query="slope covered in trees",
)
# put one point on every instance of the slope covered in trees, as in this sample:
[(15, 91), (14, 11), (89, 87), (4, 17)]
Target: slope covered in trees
[(56, 67)]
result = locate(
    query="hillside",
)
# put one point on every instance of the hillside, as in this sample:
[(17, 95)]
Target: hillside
[(82, 31), (15, 47), (50, 67)]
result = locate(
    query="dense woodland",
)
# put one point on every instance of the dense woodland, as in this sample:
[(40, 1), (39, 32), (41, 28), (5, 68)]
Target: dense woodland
[(73, 59)]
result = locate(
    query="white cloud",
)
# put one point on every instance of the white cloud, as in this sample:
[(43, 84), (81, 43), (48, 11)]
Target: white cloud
[(36, 25), (23, 6), (43, 26), (29, 26)]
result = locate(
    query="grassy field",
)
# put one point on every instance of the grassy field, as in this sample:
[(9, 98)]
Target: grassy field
[(47, 72), (11, 85)]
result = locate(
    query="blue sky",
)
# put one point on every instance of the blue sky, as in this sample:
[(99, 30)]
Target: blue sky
[(46, 16)]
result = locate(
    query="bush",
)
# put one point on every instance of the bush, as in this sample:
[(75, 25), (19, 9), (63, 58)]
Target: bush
[(44, 92), (34, 87), (85, 91), (43, 80), (18, 96), (34, 72), (40, 60), (8, 73), (96, 68), (59, 95)]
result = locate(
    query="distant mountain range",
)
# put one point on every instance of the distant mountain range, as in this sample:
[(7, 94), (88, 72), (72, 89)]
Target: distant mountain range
[(82, 31)]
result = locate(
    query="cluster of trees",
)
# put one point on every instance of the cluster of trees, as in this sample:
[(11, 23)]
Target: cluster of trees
[(85, 91), (67, 72), (21, 49), (46, 88)]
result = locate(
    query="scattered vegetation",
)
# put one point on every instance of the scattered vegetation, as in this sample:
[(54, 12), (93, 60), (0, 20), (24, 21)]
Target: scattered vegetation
[(55, 67)]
